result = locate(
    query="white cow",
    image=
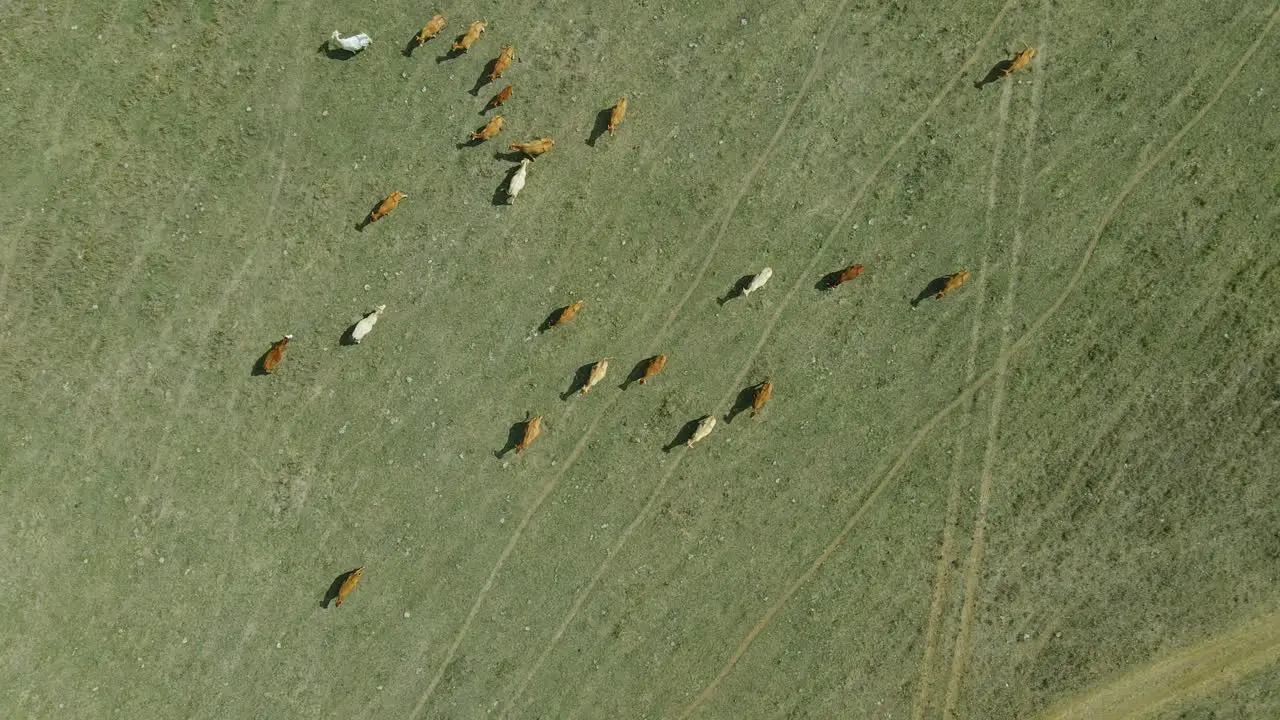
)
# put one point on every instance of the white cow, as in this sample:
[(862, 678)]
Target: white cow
[(516, 184), (703, 429), (366, 324), (353, 44), (758, 281)]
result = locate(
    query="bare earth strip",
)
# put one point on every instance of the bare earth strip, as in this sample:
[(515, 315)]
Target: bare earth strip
[(1187, 674)]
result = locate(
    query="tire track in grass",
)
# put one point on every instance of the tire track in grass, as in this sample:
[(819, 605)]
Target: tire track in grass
[(941, 574), (747, 641), (967, 392), (733, 389), (977, 545), (551, 485)]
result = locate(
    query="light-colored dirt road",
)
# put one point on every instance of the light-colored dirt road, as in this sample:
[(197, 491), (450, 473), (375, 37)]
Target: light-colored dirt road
[(1189, 673)]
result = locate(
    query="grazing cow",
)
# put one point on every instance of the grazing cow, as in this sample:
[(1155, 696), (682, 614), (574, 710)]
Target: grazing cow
[(386, 206), (597, 374), (846, 275), (503, 62), (353, 579), (490, 129), (516, 184), (366, 324), (1020, 59), (533, 148), (653, 367), (353, 44), (758, 281), (472, 34), (433, 28), (619, 112), (532, 428), (763, 392), (953, 282), (275, 354), (566, 314), (503, 95), (705, 425)]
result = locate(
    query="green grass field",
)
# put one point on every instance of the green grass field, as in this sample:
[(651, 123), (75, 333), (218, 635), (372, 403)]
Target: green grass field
[(1050, 494)]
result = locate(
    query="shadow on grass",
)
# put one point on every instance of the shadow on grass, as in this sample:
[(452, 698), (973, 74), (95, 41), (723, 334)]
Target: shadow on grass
[(484, 78), (514, 435), (452, 53), (637, 372), (348, 336), (514, 156), (580, 377), (996, 72), (829, 281), (741, 403), (500, 194), (332, 54), (601, 126), (332, 593), (736, 290), (934, 287), (553, 319), (260, 365), (683, 436)]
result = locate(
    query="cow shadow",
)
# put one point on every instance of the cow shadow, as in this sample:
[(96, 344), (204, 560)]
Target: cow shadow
[(552, 319), (349, 335), (637, 373), (514, 435), (470, 143), (580, 377), (484, 78), (411, 46), (741, 403), (514, 156), (492, 104), (368, 218), (601, 127), (738, 288), (452, 53), (332, 53), (501, 194), (334, 588), (260, 365), (934, 287), (683, 436), (829, 281), (997, 71)]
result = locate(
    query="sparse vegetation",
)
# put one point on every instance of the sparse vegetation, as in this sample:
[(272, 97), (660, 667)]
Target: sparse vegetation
[(1010, 503)]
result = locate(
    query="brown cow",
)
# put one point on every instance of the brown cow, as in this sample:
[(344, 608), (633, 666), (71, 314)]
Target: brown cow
[(490, 129), (533, 148), (353, 579), (275, 354), (386, 206), (433, 28), (619, 112), (464, 43), (503, 62), (503, 95)]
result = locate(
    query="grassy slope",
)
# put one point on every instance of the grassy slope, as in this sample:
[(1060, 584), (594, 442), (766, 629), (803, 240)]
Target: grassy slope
[(171, 521)]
